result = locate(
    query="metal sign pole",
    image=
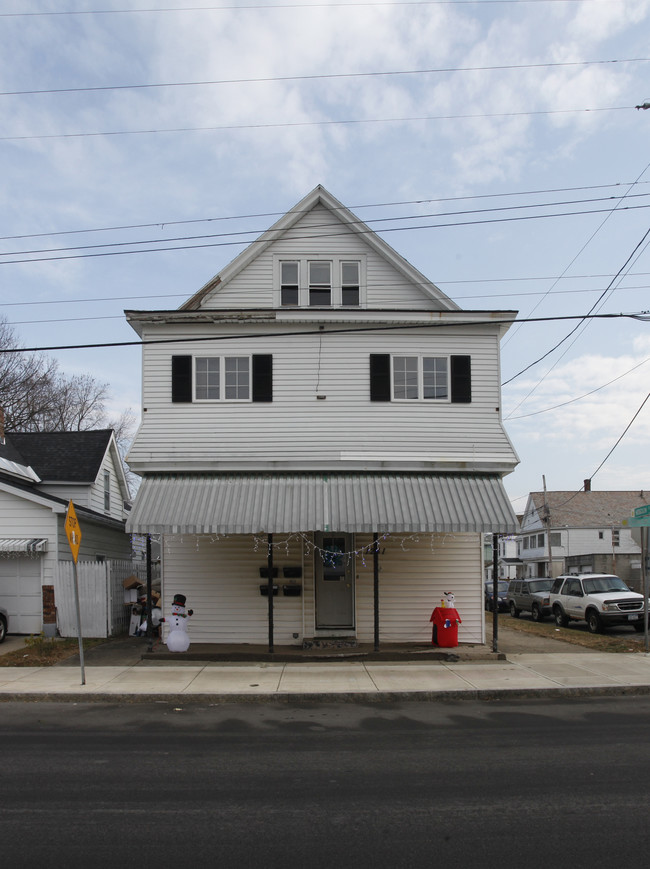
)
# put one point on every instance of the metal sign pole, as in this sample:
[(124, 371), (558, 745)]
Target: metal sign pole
[(76, 604), (644, 570), (73, 533)]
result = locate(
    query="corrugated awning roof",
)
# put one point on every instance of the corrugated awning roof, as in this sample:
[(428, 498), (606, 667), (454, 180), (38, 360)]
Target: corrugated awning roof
[(353, 502), (23, 544)]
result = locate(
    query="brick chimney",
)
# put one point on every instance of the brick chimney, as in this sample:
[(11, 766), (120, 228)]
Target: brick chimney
[(587, 485)]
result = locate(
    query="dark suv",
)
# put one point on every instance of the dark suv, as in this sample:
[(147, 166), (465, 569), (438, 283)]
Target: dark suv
[(600, 599), (3, 625), (502, 596), (530, 596)]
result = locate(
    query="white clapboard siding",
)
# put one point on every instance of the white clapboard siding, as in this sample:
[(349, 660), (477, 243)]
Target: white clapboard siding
[(253, 286), (415, 571), (20, 517), (298, 427), (220, 579)]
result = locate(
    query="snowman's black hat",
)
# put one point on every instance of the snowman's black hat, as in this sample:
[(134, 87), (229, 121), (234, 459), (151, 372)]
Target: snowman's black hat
[(179, 600)]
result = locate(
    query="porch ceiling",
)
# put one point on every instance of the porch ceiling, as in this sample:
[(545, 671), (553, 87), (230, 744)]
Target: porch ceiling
[(353, 502)]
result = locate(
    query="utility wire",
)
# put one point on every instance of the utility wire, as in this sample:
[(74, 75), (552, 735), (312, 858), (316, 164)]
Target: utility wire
[(640, 315), (296, 124), (584, 395), (320, 235), (627, 428), (421, 201), (77, 301), (327, 225), (301, 6), (322, 76)]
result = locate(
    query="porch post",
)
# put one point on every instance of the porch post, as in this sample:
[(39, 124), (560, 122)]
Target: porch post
[(269, 567), (375, 563), (149, 607), (495, 592)]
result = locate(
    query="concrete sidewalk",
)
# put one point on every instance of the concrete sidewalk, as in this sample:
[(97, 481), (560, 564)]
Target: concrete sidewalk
[(516, 675)]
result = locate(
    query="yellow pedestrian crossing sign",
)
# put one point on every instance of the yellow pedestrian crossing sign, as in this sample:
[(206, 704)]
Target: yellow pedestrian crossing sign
[(73, 531)]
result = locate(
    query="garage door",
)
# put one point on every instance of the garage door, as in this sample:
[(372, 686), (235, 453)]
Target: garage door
[(20, 594)]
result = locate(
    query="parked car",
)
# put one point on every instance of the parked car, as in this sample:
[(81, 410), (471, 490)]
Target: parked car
[(600, 599), (3, 625), (530, 596), (502, 601)]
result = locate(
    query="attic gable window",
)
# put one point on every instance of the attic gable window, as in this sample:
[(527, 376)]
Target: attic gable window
[(320, 282), (107, 491), (290, 285), (350, 284)]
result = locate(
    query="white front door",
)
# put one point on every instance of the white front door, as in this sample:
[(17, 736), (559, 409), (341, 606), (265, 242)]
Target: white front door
[(334, 571)]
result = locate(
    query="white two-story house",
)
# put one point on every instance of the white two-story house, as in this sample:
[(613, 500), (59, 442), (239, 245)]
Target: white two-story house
[(581, 532), (321, 418)]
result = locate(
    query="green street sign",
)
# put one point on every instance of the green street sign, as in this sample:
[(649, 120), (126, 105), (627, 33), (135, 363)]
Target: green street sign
[(637, 522), (642, 511)]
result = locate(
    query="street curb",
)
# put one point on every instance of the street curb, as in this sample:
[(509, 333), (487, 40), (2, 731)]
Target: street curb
[(362, 697)]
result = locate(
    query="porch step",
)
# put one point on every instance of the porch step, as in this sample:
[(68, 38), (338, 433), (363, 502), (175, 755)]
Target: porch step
[(331, 643)]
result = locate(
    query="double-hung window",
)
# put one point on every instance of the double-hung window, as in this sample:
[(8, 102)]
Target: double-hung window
[(329, 281), (222, 378), (289, 283), (350, 283), (419, 378), (320, 282)]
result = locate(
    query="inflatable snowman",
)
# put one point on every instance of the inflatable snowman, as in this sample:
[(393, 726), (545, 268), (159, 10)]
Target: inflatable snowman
[(178, 639)]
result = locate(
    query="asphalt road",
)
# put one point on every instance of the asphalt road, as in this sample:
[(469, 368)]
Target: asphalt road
[(405, 785)]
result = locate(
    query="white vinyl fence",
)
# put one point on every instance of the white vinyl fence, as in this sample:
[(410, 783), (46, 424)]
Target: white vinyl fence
[(101, 597)]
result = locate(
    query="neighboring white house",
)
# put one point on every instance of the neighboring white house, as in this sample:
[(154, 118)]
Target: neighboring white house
[(39, 474), (508, 562), (586, 534), (321, 410)]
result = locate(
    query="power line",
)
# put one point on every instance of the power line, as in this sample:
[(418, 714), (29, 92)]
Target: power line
[(323, 76), (421, 201), (376, 220), (580, 397), (627, 428), (296, 124), (301, 6), (640, 315), (319, 235), (77, 301)]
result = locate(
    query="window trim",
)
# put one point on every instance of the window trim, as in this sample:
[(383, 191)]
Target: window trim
[(222, 379), (107, 491), (260, 372), (460, 378), (420, 357), (336, 262)]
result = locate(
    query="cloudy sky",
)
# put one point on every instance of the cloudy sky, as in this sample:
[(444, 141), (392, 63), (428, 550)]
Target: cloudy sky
[(495, 145)]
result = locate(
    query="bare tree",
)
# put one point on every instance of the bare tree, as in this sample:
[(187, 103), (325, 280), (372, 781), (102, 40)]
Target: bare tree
[(37, 396)]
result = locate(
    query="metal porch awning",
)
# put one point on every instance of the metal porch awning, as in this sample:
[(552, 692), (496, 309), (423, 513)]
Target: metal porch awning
[(353, 502), (23, 544)]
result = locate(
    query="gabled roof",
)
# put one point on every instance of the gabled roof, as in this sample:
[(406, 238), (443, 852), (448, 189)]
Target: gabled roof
[(588, 509), (320, 196), (63, 456)]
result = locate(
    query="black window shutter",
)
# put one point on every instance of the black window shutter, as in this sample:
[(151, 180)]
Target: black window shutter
[(262, 377), (181, 378), (379, 377), (461, 379)]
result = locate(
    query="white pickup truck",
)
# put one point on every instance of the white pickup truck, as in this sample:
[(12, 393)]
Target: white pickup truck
[(600, 599)]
